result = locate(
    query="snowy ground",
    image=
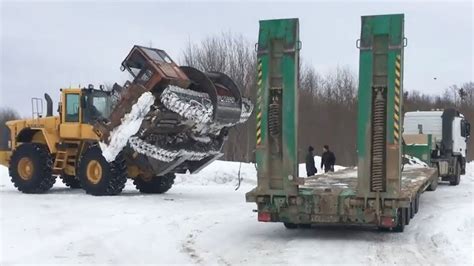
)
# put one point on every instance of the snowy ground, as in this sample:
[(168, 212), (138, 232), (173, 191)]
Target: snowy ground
[(204, 221)]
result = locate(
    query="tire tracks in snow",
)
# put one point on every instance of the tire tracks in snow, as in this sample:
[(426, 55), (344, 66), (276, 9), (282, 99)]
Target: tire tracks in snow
[(188, 247)]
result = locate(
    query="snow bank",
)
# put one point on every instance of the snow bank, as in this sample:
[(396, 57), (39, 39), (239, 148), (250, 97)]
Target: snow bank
[(129, 127), (413, 162), (221, 172), (470, 168), (225, 172)]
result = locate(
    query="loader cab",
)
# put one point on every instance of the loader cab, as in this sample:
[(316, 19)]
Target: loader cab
[(95, 105), (153, 68), (79, 109)]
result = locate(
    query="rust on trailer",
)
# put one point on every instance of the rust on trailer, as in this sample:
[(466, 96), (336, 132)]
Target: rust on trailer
[(332, 198)]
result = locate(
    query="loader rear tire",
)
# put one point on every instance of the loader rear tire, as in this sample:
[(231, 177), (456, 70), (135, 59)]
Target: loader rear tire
[(99, 177), (70, 181), (31, 168), (155, 185)]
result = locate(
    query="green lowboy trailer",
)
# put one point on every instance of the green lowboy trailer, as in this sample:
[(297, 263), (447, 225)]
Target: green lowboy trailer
[(378, 192)]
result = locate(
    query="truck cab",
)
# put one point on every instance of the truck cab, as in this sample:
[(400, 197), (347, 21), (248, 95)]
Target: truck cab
[(450, 133)]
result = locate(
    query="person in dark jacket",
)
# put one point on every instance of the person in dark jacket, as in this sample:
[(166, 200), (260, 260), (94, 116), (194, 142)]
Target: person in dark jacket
[(328, 160), (310, 165)]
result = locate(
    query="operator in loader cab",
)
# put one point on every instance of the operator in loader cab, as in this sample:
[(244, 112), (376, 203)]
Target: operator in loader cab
[(310, 165), (328, 160)]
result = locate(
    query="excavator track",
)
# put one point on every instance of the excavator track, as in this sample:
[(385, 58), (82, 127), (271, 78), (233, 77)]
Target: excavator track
[(189, 119)]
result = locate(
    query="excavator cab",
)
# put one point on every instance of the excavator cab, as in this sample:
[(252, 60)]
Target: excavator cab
[(152, 67)]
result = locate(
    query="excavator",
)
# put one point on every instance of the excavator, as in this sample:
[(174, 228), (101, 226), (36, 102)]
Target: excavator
[(167, 119)]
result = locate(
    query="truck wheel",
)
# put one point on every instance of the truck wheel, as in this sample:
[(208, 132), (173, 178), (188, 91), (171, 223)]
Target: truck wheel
[(290, 225), (434, 184), (155, 185), (401, 219), (70, 181), (457, 175), (31, 168), (99, 177)]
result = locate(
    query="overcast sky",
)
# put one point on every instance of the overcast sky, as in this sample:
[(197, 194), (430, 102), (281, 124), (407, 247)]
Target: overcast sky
[(46, 46)]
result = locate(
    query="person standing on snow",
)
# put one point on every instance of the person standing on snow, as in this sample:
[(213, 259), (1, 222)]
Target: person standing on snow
[(328, 160), (310, 165)]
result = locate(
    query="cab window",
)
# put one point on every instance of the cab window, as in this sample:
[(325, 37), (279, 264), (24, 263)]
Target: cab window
[(72, 107), (465, 128)]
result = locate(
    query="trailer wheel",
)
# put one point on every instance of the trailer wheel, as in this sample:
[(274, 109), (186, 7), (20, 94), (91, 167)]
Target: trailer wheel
[(456, 179), (305, 226), (157, 184), (407, 215), (99, 177), (290, 225), (400, 221), (412, 208), (417, 202), (70, 181), (31, 168)]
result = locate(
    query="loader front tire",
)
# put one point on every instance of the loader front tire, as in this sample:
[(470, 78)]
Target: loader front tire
[(70, 181), (155, 185), (99, 177), (31, 168)]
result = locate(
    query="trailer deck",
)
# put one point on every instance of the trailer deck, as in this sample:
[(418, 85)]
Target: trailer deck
[(332, 198), (414, 179)]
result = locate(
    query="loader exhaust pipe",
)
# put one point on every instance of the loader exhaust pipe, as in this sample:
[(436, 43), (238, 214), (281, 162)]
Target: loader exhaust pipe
[(49, 105)]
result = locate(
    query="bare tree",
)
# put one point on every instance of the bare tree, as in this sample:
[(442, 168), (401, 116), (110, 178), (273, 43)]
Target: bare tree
[(6, 114), (233, 55), (327, 103)]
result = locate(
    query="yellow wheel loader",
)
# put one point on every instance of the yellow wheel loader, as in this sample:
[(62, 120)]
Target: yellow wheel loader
[(64, 145), (168, 119)]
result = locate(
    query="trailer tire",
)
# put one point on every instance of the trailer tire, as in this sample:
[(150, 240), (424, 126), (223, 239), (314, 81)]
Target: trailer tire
[(407, 215), (290, 225), (31, 168), (400, 221), (417, 202), (305, 226), (412, 208), (155, 185), (70, 181), (99, 177), (456, 179)]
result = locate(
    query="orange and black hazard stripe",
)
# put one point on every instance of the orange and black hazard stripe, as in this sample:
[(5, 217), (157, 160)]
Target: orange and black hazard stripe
[(259, 102), (396, 113)]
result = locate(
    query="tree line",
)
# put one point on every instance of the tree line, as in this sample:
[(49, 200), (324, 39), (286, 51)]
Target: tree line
[(327, 103)]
